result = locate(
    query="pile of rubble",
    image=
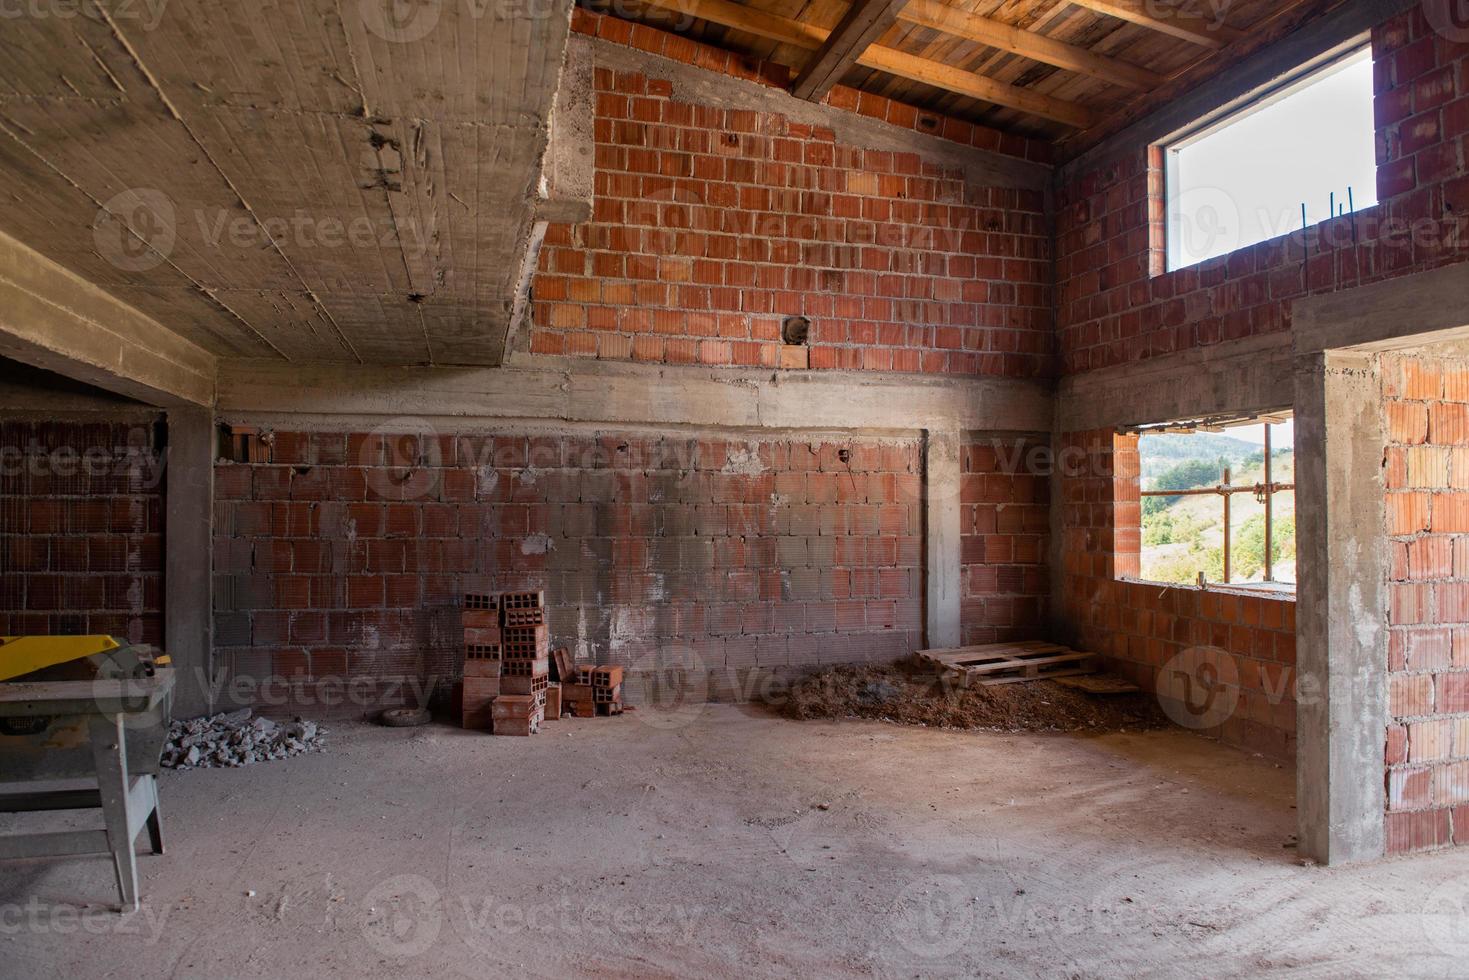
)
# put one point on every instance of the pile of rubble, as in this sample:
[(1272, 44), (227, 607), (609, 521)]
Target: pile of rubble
[(234, 739)]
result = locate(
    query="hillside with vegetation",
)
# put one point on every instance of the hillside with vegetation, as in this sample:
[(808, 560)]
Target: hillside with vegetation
[(1184, 535)]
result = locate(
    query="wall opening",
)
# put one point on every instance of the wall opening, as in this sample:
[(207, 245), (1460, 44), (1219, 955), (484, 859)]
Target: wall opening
[(1215, 503), (1300, 155)]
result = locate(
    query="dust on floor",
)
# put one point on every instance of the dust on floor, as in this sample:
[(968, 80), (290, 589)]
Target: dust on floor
[(728, 842), (912, 695)]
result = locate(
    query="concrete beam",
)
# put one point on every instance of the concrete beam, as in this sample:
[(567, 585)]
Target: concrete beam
[(942, 565), (53, 319), (1341, 608), (610, 393), (1252, 375), (188, 595), (1429, 307)]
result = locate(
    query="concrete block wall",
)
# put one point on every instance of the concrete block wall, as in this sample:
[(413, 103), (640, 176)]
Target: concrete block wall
[(1426, 466), (711, 225), (1140, 628), (345, 555), (1116, 305), (81, 526)]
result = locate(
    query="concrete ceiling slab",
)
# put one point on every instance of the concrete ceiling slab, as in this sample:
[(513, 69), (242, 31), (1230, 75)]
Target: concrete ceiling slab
[(302, 179)]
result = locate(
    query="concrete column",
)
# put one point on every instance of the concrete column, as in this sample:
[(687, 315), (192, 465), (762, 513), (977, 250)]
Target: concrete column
[(188, 564), (942, 568), (1341, 608)]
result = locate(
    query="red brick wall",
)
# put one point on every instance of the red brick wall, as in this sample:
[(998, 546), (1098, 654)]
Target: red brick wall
[(332, 563), (1005, 525), (1112, 309), (1140, 628), (81, 528), (1426, 467), (711, 225)]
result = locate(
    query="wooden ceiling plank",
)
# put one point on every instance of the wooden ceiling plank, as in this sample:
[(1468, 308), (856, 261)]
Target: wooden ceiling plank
[(864, 24), (1036, 47), (1196, 30), (885, 59), (968, 83)]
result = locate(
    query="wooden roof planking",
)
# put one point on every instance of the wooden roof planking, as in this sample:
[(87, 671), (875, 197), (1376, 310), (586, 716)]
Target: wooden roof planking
[(1064, 70)]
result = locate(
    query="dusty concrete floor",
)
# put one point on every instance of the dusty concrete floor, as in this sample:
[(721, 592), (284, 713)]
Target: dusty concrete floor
[(737, 845)]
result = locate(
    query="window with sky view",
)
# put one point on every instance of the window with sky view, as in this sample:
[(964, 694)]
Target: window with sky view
[(1243, 180)]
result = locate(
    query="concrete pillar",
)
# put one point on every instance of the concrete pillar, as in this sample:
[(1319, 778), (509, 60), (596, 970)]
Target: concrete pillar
[(942, 568), (188, 547), (1341, 608)]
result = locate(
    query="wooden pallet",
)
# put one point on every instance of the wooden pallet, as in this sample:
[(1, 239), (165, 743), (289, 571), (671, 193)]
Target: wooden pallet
[(1099, 684), (1009, 663)]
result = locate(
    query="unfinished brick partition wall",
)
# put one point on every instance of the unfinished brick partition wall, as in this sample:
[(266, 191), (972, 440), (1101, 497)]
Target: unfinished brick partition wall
[(711, 225), (1139, 626), (1426, 471), (345, 554), (1005, 524), (81, 527), (1117, 306)]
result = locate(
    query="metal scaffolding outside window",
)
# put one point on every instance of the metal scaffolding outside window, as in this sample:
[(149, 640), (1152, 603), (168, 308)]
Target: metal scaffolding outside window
[(1263, 490)]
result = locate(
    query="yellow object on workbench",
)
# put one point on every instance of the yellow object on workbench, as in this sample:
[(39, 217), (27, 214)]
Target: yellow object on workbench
[(21, 655)]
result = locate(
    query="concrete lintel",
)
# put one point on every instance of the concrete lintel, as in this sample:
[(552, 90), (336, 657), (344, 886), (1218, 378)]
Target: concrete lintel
[(601, 392), (1341, 608), (53, 319), (1428, 307), (1241, 376), (942, 560), (188, 603)]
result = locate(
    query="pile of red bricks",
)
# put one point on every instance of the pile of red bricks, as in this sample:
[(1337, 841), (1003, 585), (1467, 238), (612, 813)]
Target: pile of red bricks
[(597, 691), (507, 687)]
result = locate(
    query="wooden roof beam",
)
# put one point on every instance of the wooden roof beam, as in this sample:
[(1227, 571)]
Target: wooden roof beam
[(865, 23), (961, 23), (1173, 22), (890, 60)]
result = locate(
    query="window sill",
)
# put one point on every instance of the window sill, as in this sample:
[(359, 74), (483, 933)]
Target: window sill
[(1284, 591)]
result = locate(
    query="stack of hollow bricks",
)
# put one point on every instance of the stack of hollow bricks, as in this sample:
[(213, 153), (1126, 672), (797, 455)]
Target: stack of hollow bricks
[(1426, 407), (711, 225), (1139, 626), (596, 691), (81, 528), (506, 662)]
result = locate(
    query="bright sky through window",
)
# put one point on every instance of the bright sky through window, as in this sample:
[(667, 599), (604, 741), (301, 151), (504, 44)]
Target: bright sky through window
[(1244, 180)]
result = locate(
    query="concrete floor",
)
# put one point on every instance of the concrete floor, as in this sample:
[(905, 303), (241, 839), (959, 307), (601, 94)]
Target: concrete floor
[(732, 843)]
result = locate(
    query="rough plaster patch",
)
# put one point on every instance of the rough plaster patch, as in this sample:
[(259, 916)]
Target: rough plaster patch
[(744, 462), (536, 544)]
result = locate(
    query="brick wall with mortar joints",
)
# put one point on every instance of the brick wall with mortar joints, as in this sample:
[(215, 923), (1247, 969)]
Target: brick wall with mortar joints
[(1426, 475), (1114, 307), (1005, 538), (748, 553), (81, 528), (711, 226), (1139, 627)]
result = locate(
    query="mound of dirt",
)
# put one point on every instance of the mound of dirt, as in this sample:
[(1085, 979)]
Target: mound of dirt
[(908, 695)]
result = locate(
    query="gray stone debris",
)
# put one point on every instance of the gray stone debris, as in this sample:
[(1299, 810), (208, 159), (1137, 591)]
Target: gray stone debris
[(236, 739)]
